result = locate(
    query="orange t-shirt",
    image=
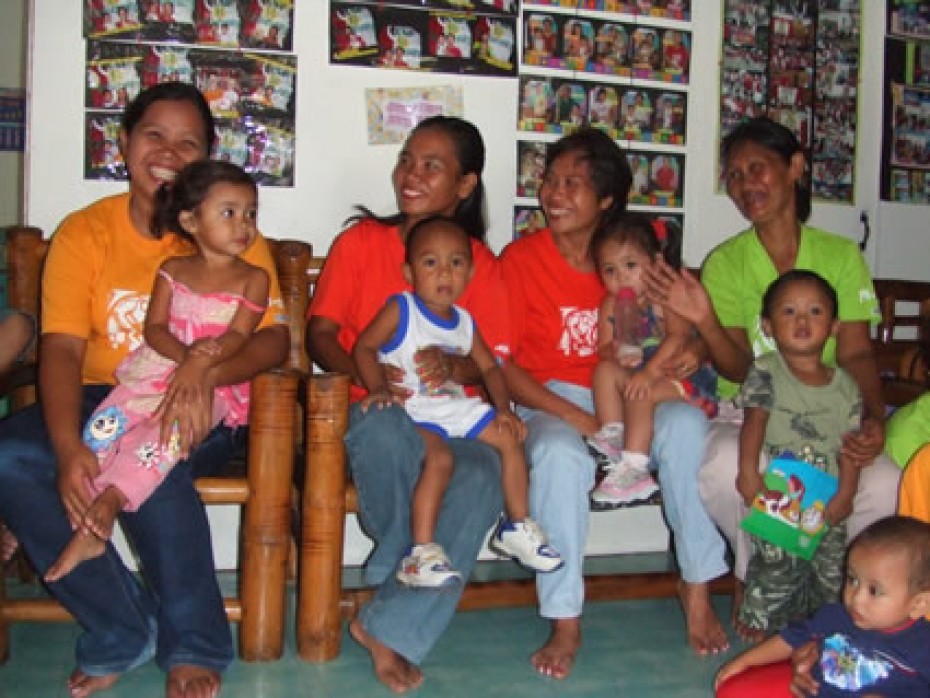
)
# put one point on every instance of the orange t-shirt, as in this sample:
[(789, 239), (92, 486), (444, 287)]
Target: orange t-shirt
[(553, 311), (99, 275), (364, 268)]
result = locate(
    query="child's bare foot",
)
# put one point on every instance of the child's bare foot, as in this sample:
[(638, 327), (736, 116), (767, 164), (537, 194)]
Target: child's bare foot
[(81, 685), (82, 546), (392, 670), (557, 657), (8, 544), (102, 513), (191, 681), (705, 633)]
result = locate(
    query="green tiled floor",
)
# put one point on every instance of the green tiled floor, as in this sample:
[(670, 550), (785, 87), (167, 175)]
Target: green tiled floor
[(631, 648)]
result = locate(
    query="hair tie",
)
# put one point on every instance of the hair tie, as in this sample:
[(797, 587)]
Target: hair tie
[(661, 231)]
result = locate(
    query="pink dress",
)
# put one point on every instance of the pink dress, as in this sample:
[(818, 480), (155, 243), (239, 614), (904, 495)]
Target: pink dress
[(122, 432)]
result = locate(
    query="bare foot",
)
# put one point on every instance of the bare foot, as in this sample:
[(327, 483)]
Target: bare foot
[(392, 670), (80, 684), (82, 546), (190, 681), (557, 657), (705, 633), (101, 515), (8, 544)]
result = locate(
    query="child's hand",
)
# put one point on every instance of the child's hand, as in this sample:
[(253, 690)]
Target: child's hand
[(803, 660), (379, 398), (749, 483), (206, 347), (505, 420), (639, 386), (729, 669), (839, 508)]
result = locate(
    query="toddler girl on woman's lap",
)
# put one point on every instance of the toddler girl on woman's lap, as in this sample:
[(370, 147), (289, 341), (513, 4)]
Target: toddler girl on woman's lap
[(628, 385), (202, 311)]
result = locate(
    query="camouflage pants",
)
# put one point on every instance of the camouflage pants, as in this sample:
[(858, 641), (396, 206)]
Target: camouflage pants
[(781, 587)]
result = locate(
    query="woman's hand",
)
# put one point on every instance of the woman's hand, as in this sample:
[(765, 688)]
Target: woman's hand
[(188, 405), (379, 399), (506, 420), (680, 292), (394, 375), (75, 470), (434, 366), (584, 422), (865, 445), (683, 363)]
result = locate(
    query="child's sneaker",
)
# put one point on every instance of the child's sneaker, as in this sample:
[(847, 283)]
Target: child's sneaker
[(427, 566), (608, 441), (624, 484), (525, 542)]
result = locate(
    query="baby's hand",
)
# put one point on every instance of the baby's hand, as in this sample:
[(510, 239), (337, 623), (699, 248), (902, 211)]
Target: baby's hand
[(206, 347), (639, 387), (379, 398), (839, 508), (507, 420)]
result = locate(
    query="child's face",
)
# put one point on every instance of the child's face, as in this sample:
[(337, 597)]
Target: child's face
[(622, 264), (801, 319), (877, 592), (440, 266), (224, 224)]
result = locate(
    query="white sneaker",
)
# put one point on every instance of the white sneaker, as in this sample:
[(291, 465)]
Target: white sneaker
[(608, 442), (624, 484), (427, 565), (527, 544)]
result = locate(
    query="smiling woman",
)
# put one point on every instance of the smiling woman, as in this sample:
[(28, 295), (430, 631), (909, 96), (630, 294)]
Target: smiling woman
[(99, 272)]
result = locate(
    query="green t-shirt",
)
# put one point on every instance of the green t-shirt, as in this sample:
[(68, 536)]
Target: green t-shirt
[(737, 273), (806, 422), (907, 430)]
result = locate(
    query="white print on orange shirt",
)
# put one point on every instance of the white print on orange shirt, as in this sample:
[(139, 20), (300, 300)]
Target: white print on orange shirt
[(579, 331), (126, 317)]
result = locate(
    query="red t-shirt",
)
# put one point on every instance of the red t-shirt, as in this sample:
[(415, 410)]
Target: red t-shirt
[(364, 268), (553, 310)]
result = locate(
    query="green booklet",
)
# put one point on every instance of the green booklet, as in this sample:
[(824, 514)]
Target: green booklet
[(791, 514)]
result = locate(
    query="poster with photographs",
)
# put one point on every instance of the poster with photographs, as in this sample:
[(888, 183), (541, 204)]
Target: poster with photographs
[(798, 63), (252, 96), (528, 220), (255, 24), (421, 36), (646, 115), (905, 164), (587, 44), (394, 111), (671, 9)]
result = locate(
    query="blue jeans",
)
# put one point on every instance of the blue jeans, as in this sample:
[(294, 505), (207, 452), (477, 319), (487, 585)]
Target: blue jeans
[(385, 456), (562, 475), (178, 616)]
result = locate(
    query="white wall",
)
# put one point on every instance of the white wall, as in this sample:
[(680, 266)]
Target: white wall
[(336, 167)]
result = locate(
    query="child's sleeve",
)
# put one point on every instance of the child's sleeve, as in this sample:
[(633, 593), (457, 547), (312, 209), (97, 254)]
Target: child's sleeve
[(757, 389)]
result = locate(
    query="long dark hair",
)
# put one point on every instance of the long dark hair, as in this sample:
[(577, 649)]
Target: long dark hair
[(173, 92), (469, 153), (780, 140), (189, 189), (610, 170)]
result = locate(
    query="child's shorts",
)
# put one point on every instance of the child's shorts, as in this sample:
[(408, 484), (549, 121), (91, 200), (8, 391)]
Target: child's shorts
[(449, 416)]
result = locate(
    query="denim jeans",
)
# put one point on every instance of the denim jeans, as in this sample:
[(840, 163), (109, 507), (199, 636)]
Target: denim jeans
[(562, 475), (178, 615), (385, 457)]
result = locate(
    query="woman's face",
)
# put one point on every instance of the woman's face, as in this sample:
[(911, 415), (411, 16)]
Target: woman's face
[(761, 183), (568, 198), (427, 178), (170, 134)]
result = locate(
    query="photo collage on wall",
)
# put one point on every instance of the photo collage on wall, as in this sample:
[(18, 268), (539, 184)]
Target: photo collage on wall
[(475, 37), (620, 67), (798, 63), (905, 168), (237, 52)]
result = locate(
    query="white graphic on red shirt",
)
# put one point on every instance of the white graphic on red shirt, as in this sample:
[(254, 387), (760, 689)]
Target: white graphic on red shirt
[(579, 331)]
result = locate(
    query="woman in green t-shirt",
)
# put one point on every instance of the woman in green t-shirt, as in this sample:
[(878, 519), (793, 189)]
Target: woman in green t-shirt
[(764, 174)]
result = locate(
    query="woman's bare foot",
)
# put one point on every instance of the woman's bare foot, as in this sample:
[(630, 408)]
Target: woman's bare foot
[(8, 544), (705, 633), (191, 681), (101, 515), (557, 657), (80, 684), (82, 546), (392, 670)]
